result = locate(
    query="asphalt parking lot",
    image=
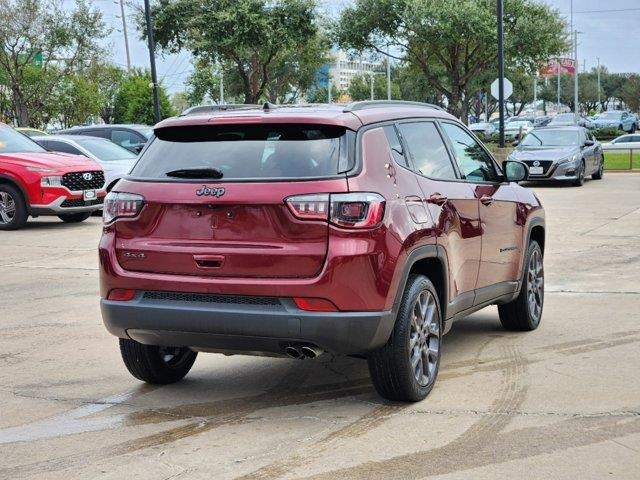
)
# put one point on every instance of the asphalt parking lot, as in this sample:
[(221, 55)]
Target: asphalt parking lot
[(560, 402)]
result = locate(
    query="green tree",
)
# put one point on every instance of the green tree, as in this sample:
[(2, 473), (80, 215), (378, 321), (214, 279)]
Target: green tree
[(134, 100), (264, 47), (629, 93), (42, 42), (107, 79), (450, 42), (360, 87), (77, 99)]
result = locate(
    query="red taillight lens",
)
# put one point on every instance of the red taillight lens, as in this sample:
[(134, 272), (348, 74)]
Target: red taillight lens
[(350, 210), (315, 304), (357, 210), (121, 205), (121, 295)]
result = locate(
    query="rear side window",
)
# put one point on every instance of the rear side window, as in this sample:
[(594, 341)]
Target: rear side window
[(249, 151), (63, 147)]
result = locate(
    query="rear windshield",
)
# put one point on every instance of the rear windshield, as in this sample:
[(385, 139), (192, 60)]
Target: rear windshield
[(248, 151)]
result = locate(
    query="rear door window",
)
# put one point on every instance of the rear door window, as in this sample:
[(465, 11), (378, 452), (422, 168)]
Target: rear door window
[(63, 147), (248, 151)]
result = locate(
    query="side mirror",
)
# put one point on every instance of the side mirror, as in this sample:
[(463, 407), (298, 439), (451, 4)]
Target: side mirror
[(589, 143), (515, 143), (515, 171)]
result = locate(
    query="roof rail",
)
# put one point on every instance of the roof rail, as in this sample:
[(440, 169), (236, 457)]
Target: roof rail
[(367, 104), (204, 109)]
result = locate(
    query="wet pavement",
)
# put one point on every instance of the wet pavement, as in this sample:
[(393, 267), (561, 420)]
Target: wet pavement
[(560, 402)]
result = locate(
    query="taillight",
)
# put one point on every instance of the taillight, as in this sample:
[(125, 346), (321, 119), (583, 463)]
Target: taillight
[(309, 207), (349, 210), (357, 210), (121, 205)]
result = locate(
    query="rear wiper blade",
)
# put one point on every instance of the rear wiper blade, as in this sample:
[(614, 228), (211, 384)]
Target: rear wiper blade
[(198, 172)]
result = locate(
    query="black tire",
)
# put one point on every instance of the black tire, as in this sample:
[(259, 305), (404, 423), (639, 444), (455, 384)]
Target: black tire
[(579, 181), (525, 312), (419, 322), (74, 217), (634, 127), (13, 209), (597, 175), (155, 364)]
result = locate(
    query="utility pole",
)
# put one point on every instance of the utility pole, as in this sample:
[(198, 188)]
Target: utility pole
[(221, 88), (599, 101), (575, 77), (329, 90), (126, 37), (388, 75), (371, 75), (535, 94), (152, 59), (500, 8), (558, 67)]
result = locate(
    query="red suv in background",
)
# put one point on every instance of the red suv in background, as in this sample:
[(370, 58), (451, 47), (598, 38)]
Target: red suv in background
[(36, 182), (362, 230)]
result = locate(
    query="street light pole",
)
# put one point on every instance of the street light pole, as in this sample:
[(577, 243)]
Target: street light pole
[(388, 75), (500, 8), (575, 77), (152, 59)]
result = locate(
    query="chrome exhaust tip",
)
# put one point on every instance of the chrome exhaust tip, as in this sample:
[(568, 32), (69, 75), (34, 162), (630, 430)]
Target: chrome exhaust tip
[(293, 352), (311, 351)]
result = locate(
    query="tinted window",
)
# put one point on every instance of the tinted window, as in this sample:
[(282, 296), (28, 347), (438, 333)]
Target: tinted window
[(14, 142), (474, 161), (247, 151), (126, 139), (427, 149), (58, 146), (396, 146)]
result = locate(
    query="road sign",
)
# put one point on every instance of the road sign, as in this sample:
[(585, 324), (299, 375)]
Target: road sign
[(508, 88)]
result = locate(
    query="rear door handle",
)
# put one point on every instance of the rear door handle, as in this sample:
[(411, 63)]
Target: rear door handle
[(486, 200), (437, 199)]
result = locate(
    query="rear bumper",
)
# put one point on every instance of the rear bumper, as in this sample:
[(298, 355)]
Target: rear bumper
[(243, 327)]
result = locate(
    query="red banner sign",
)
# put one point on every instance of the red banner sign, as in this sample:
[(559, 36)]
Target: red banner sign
[(563, 65)]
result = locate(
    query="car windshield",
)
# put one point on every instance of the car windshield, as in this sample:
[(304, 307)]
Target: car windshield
[(610, 115), (246, 152), (14, 142), (105, 150), (551, 138)]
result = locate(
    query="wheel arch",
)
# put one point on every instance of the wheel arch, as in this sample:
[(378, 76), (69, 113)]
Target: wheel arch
[(430, 261), (6, 180)]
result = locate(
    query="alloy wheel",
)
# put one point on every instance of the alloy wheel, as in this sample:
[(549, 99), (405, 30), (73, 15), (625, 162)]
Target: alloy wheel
[(7, 208), (535, 286), (424, 338)]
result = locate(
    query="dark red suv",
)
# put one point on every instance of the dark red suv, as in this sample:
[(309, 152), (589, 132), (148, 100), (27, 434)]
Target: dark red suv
[(362, 230)]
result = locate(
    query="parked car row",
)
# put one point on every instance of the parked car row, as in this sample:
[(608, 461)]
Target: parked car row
[(67, 175)]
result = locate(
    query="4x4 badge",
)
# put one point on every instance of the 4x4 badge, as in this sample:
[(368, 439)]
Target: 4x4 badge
[(212, 192)]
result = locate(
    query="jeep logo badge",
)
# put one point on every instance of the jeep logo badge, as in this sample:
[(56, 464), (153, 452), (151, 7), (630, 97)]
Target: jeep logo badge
[(211, 192), (87, 176)]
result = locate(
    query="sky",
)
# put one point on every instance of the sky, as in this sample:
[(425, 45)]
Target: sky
[(609, 30)]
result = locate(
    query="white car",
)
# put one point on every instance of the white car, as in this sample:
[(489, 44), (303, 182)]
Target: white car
[(515, 127), (623, 142), (484, 128), (115, 160)]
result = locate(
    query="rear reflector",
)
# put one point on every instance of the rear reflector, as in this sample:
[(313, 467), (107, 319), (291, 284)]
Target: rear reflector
[(348, 210), (121, 295), (315, 304)]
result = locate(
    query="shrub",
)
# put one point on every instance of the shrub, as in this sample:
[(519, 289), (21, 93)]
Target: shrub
[(607, 133)]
